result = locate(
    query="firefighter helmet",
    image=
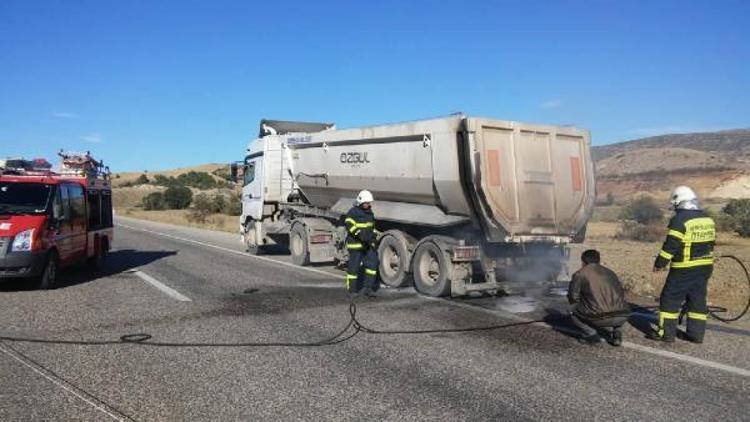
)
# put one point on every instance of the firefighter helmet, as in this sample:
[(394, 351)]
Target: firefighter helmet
[(682, 194), (364, 197)]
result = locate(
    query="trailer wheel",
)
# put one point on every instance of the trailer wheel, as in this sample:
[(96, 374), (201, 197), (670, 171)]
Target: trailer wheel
[(298, 245), (394, 256), (48, 279), (432, 269)]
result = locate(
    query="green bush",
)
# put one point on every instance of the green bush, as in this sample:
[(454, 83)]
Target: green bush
[(153, 201), (632, 230), (220, 203), (643, 210), (234, 206), (739, 212), (161, 180), (202, 207), (178, 197), (198, 180), (142, 180), (223, 172)]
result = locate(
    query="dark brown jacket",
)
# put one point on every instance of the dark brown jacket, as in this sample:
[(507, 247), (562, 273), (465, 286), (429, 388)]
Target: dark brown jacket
[(596, 292)]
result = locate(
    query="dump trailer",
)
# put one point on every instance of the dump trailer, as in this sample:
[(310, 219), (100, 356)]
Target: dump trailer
[(462, 203)]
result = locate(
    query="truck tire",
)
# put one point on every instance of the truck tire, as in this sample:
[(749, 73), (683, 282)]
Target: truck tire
[(298, 245), (48, 278), (395, 258), (432, 269), (102, 249), (251, 243)]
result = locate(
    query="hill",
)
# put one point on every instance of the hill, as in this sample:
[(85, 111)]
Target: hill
[(127, 193), (125, 178), (735, 142), (716, 164)]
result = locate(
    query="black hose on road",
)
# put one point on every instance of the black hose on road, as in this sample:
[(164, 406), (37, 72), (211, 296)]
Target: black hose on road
[(352, 328)]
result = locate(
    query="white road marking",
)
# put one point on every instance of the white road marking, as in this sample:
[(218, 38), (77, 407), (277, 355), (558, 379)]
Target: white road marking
[(59, 383), (633, 346), (686, 358), (174, 294), (232, 251)]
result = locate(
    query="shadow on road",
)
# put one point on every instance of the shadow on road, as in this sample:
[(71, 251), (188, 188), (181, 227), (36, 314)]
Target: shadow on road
[(117, 262)]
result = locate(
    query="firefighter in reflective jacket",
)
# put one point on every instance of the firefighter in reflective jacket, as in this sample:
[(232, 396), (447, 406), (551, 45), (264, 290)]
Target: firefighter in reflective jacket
[(362, 268), (689, 247)]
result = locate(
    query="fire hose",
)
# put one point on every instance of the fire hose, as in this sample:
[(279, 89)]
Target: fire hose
[(716, 311), (352, 328)]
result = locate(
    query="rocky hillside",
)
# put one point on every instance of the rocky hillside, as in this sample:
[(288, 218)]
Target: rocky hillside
[(716, 164)]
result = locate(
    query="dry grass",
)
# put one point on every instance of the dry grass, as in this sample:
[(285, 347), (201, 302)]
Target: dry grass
[(220, 222), (633, 262)]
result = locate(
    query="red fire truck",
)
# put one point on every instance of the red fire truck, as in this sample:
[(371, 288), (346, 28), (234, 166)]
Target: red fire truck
[(53, 219)]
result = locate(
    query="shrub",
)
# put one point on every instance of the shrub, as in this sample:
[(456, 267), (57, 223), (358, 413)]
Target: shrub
[(220, 203), (643, 210), (202, 208), (223, 172), (142, 180), (724, 222), (178, 197), (204, 205), (739, 211), (632, 230), (234, 207), (153, 201), (161, 180), (197, 180)]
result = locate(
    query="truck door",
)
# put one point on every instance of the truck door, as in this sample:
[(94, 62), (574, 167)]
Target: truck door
[(61, 212), (252, 190), (77, 221)]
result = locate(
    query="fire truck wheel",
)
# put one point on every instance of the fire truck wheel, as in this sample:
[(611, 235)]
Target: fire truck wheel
[(102, 249), (48, 278)]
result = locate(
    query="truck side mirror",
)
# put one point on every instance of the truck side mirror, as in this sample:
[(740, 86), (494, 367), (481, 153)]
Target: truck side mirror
[(233, 172)]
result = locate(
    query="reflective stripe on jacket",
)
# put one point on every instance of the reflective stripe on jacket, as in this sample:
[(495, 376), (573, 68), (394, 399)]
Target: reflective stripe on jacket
[(360, 228), (690, 241)]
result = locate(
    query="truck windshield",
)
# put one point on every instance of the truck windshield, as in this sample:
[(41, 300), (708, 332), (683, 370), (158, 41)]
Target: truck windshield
[(24, 198)]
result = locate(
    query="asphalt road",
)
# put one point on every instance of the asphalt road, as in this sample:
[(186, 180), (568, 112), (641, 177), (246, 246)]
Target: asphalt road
[(187, 285)]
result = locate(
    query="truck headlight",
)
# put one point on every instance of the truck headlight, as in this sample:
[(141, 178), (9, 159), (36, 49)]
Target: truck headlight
[(23, 241)]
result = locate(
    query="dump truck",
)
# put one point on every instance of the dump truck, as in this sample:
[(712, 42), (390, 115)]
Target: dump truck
[(463, 204)]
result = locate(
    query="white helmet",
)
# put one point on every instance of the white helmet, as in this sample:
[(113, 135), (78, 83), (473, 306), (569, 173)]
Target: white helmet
[(682, 194), (364, 196)]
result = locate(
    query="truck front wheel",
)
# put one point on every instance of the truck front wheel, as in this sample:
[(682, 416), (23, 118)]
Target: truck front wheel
[(48, 279), (252, 243), (432, 269)]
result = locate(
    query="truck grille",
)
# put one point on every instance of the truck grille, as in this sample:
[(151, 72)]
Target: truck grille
[(3, 243)]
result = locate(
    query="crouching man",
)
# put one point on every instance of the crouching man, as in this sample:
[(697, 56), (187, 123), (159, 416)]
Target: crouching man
[(598, 301)]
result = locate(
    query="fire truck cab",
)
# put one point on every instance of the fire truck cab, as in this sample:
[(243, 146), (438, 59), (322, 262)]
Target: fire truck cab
[(53, 219)]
